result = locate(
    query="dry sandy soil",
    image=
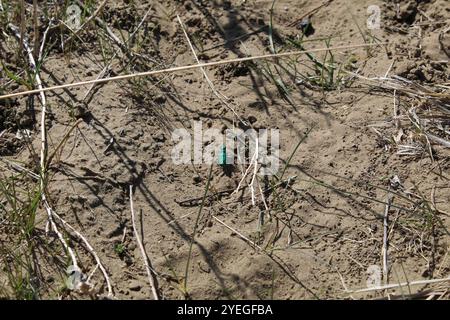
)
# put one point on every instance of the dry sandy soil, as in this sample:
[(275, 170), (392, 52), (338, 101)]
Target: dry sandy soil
[(363, 142)]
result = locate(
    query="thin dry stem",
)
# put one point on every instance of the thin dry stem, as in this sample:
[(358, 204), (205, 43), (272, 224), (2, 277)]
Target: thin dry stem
[(150, 274), (385, 238), (90, 249), (184, 68), (399, 285), (219, 95)]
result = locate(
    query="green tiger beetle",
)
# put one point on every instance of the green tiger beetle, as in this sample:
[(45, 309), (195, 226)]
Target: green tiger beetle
[(223, 156), (224, 161)]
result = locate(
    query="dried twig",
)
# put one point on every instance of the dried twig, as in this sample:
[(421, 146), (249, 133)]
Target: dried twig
[(44, 38), (40, 89), (108, 66), (51, 214), (252, 163), (60, 236), (89, 248), (147, 262), (17, 167), (403, 85), (385, 238), (219, 95), (439, 140), (184, 68), (110, 33), (252, 243), (399, 285), (43, 158), (270, 254), (255, 171)]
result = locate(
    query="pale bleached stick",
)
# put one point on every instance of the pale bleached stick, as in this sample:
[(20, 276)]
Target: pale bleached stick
[(400, 84), (42, 98), (89, 248), (188, 67), (255, 171), (385, 238), (396, 117), (219, 95), (139, 25), (42, 176), (60, 236), (110, 33), (398, 285), (246, 172), (439, 140), (43, 151), (19, 168), (150, 275), (252, 243), (92, 273), (108, 66), (389, 69), (263, 198), (44, 38), (262, 192), (50, 212), (43, 141)]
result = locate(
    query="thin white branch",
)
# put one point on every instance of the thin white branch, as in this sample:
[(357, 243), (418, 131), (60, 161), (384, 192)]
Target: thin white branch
[(60, 236), (399, 285), (44, 38), (385, 238), (188, 67), (219, 95), (252, 162), (150, 275), (90, 249), (255, 171), (252, 243)]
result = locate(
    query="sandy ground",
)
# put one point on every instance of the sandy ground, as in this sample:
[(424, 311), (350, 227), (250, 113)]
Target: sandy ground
[(316, 240)]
